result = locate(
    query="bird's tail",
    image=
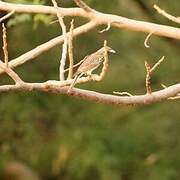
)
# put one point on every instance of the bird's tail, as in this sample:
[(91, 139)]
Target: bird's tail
[(73, 83)]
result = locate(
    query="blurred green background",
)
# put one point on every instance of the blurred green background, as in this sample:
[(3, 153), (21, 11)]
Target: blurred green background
[(56, 137)]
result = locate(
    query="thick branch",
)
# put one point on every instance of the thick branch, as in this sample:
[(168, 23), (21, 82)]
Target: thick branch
[(100, 18), (52, 87)]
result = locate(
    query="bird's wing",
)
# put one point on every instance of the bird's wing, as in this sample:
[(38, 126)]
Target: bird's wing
[(78, 72)]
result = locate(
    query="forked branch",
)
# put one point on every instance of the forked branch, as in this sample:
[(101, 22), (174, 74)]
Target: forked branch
[(149, 72), (11, 73), (7, 16), (96, 18)]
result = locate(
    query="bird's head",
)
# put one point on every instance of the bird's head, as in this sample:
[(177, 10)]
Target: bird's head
[(101, 51), (108, 49)]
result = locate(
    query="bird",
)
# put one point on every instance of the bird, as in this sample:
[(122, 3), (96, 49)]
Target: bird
[(89, 64)]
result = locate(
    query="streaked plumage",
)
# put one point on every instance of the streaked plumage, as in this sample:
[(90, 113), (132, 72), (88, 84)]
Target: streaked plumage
[(90, 63)]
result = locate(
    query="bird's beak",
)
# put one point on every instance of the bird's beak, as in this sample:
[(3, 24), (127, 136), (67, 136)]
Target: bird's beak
[(112, 51)]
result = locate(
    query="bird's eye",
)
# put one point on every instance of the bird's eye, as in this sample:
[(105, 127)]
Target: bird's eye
[(101, 59)]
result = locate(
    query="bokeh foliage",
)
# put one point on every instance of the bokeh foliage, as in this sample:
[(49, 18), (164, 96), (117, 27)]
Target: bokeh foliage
[(61, 137)]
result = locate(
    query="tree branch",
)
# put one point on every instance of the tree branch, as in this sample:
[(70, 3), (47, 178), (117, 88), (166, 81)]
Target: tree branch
[(52, 87), (5, 50), (11, 73), (7, 16), (96, 18), (70, 50), (83, 5), (99, 18), (65, 44), (167, 15), (150, 71), (146, 40), (48, 45)]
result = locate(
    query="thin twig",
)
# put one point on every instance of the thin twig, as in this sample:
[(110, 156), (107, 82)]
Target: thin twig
[(7, 16), (11, 73), (83, 5), (146, 40), (70, 50), (164, 86), (52, 22), (167, 15), (148, 78), (65, 44), (5, 49), (175, 97), (157, 64)]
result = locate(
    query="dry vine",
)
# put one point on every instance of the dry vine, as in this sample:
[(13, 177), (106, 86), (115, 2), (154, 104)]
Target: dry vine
[(96, 18)]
